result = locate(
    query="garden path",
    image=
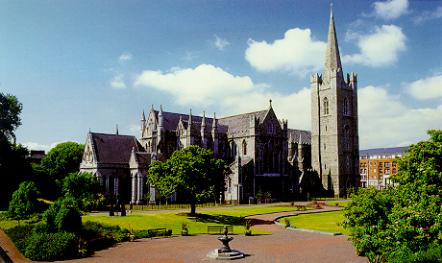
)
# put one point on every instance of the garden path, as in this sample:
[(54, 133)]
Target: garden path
[(281, 246)]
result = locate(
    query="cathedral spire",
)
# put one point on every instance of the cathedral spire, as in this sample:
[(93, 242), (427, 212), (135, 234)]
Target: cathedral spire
[(332, 57)]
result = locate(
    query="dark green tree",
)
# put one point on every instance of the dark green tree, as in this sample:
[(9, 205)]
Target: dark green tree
[(193, 170), (10, 109), (61, 160), (85, 188), (24, 201), (403, 223), (14, 168)]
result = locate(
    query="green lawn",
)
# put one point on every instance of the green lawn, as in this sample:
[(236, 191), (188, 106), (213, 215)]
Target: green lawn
[(327, 221), (196, 225)]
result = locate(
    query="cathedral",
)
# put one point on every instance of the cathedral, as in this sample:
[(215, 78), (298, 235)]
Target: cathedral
[(263, 153)]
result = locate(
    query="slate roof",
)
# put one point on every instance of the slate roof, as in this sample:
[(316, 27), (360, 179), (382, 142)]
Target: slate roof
[(384, 151), (238, 125), (299, 136), (171, 120), (113, 148)]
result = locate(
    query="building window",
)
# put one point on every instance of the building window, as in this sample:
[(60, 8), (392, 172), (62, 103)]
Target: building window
[(244, 147), (325, 105), (346, 108)]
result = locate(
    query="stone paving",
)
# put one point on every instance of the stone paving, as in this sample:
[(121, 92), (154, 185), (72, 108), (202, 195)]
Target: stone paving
[(281, 246)]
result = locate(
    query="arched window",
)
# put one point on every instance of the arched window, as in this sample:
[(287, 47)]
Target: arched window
[(346, 108), (325, 105), (244, 147)]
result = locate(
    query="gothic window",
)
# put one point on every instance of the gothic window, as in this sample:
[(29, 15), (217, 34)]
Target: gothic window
[(325, 106), (244, 147), (346, 108), (346, 137)]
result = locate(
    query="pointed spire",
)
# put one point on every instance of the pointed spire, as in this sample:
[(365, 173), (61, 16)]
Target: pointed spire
[(270, 102), (203, 121), (143, 117), (189, 122), (116, 129), (332, 57), (160, 117), (214, 121)]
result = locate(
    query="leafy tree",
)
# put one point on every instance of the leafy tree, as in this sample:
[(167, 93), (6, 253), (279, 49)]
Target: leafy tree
[(403, 223), (85, 188), (193, 170), (14, 168), (24, 201), (61, 160), (10, 109)]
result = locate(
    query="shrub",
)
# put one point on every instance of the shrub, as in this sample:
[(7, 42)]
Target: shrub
[(286, 222), (24, 201), (20, 235), (68, 219), (52, 246), (63, 215), (184, 229)]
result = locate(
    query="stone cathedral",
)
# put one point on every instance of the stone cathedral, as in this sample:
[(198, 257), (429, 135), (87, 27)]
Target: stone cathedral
[(264, 154)]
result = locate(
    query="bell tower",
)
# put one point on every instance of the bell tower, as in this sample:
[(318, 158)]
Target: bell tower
[(335, 146)]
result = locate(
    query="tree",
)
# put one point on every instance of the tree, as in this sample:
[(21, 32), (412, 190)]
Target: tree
[(14, 168), (193, 170), (61, 160), (10, 109), (24, 201), (85, 188), (402, 223)]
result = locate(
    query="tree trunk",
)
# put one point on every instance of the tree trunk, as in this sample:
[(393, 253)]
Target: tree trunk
[(192, 208)]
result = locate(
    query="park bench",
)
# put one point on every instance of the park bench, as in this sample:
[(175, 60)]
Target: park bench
[(157, 232), (301, 207), (218, 229)]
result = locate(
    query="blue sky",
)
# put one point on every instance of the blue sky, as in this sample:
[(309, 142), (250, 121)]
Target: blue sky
[(80, 65)]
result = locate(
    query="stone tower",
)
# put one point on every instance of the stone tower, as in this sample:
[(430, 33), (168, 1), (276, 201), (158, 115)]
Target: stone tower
[(335, 148)]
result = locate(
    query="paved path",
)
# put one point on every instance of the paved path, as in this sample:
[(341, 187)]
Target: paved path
[(282, 246)]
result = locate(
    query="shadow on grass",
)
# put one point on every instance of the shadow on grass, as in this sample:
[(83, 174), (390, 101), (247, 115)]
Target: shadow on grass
[(217, 219)]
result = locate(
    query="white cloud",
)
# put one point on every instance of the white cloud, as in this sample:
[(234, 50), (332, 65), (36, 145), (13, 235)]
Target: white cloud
[(297, 52), (379, 49), (125, 56), (390, 9), (204, 84), (220, 43), (428, 15), (428, 88), (117, 82), (207, 85), (384, 121)]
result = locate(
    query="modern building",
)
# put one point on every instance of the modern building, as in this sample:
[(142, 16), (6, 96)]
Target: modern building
[(263, 153), (377, 166)]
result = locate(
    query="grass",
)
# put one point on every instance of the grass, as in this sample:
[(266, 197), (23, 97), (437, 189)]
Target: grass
[(327, 222), (196, 224)]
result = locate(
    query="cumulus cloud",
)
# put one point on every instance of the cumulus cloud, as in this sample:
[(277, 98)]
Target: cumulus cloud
[(220, 43), (379, 49), (125, 56), (384, 121), (117, 82), (428, 15), (390, 9), (211, 86), (428, 88), (296, 52), (203, 84)]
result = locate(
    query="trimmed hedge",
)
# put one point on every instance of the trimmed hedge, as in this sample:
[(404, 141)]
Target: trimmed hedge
[(52, 246)]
